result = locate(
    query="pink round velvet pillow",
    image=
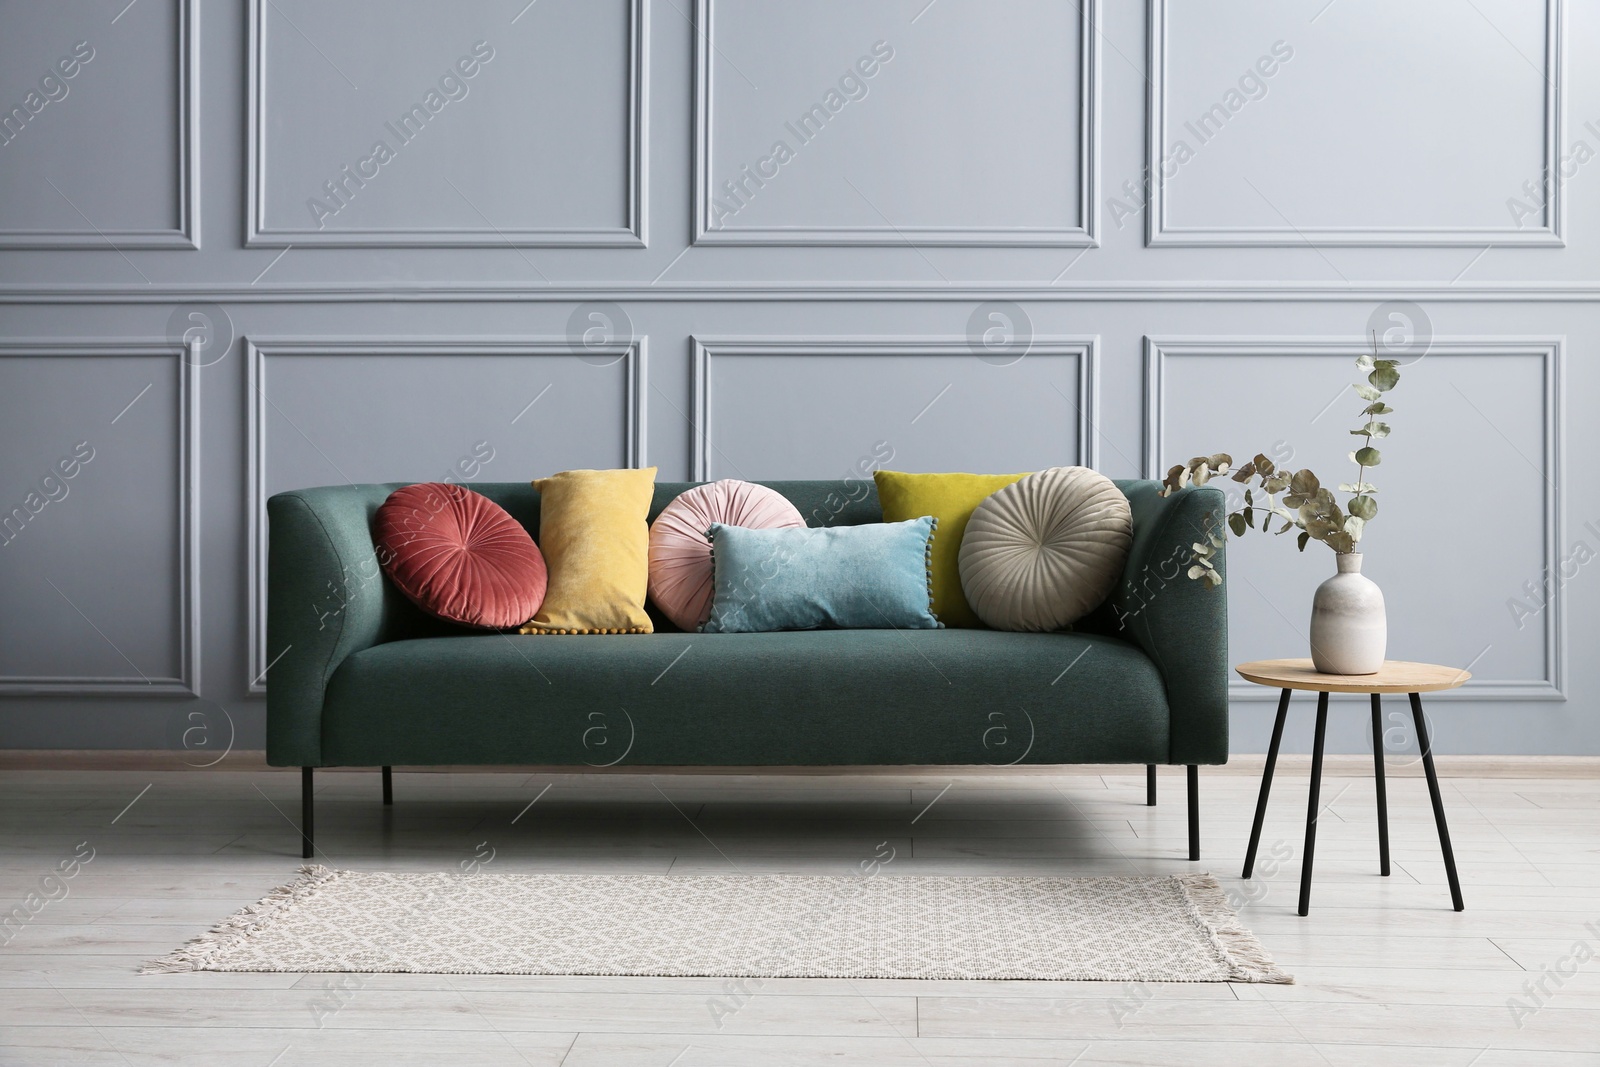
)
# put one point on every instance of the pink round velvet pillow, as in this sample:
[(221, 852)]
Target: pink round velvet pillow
[(680, 552), (459, 555)]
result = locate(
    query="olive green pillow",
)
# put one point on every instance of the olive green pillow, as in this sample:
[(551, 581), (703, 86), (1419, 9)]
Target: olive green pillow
[(949, 498)]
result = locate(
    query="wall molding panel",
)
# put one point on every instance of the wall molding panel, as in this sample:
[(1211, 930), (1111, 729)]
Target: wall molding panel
[(869, 292), (1289, 235), (1159, 351), (187, 169), (186, 523), (259, 350), (1084, 235), (633, 234), (707, 350)]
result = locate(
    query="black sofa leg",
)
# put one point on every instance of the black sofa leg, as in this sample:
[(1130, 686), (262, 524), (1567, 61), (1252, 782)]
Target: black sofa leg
[(1194, 812), (306, 829), (1150, 784), (388, 786)]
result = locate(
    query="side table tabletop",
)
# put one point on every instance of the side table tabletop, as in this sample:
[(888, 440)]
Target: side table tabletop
[(1412, 679)]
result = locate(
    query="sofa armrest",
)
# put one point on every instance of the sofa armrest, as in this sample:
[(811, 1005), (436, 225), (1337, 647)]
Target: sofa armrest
[(326, 598), (1179, 623)]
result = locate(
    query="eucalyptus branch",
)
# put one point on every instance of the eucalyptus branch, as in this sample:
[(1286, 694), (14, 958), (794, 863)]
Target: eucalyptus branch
[(1307, 505)]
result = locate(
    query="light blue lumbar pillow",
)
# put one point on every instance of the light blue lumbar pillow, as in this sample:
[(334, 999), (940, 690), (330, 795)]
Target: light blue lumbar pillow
[(869, 577)]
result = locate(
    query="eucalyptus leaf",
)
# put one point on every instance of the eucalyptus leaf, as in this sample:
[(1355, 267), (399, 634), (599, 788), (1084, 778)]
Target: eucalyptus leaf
[(1323, 528), (1342, 543), (1197, 571), (1363, 507), (1368, 457), (1263, 465), (1353, 526), (1236, 524), (1384, 378), (1357, 487), (1379, 408), (1377, 429), (1367, 392), (1304, 483), (1302, 539), (1364, 362)]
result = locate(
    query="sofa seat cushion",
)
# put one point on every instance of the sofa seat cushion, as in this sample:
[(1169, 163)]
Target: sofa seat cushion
[(810, 698)]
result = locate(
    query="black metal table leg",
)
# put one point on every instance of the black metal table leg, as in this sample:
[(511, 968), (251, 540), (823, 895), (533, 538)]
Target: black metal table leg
[(1311, 808), (388, 785), (1150, 784), (1266, 785), (1194, 811), (1383, 791), (306, 829), (1438, 803)]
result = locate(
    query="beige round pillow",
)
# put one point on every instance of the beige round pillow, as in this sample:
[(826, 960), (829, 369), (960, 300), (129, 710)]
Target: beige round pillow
[(1045, 551)]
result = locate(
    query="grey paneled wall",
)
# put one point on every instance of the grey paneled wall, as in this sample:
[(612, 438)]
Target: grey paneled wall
[(252, 245)]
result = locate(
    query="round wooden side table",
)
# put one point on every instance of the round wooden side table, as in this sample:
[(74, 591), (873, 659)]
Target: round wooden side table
[(1396, 677)]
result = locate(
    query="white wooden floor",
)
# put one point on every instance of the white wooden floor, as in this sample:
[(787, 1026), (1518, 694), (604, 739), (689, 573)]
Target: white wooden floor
[(1387, 973)]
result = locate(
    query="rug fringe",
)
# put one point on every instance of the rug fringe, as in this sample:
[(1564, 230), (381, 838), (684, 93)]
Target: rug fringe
[(199, 953), (1237, 946)]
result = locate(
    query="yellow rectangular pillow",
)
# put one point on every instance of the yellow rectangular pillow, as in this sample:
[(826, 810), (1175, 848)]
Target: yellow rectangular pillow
[(595, 536), (950, 498)]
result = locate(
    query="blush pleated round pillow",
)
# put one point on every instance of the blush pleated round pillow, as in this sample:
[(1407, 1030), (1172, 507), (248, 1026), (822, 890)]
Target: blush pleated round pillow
[(680, 552), (459, 555), (1043, 552)]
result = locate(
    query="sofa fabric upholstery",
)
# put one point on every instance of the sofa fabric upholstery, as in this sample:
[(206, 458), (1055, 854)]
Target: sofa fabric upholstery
[(796, 698), (360, 677)]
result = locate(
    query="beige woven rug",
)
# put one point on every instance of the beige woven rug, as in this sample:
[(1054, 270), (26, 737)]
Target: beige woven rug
[(1151, 929)]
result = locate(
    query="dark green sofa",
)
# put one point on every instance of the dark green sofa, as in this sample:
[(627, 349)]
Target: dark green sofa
[(365, 679)]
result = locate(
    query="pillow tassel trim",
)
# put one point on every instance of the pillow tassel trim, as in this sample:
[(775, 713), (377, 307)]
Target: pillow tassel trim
[(927, 560), (713, 554)]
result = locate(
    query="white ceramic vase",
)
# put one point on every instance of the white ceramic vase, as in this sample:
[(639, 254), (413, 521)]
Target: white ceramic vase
[(1349, 631)]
